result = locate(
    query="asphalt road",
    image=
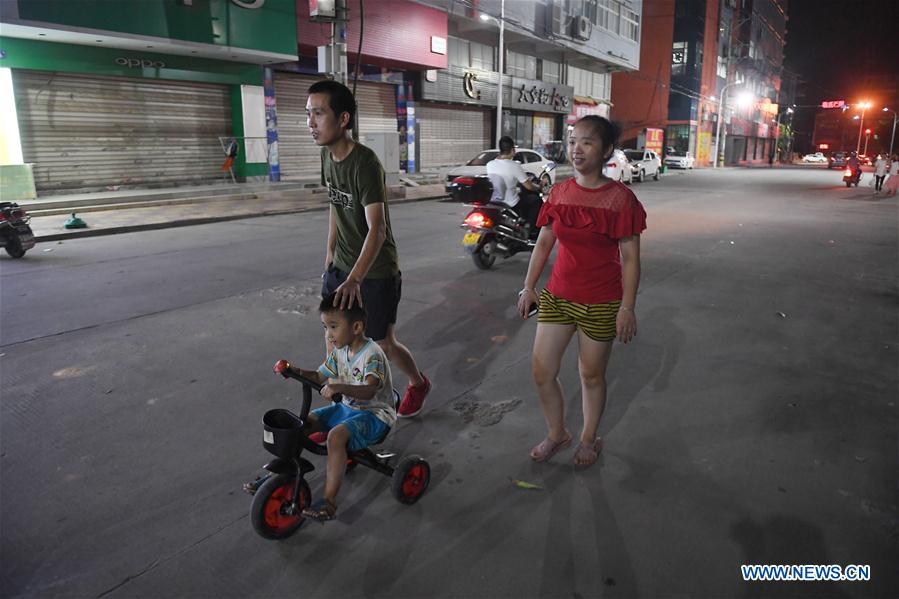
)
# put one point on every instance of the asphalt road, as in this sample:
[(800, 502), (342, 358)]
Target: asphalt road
[(753, 421)]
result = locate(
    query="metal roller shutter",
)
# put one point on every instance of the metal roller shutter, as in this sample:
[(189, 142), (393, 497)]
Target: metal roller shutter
[(84, 132), (297, 153), (451, 135), (299, 156)]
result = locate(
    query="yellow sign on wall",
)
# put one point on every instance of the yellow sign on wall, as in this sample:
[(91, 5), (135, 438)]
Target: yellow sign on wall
[(703, 148)]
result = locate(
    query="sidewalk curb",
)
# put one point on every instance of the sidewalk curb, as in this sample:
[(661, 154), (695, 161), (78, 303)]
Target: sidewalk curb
[(204, 220)]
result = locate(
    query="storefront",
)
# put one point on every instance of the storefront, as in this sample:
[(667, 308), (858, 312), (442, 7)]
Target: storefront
[(299, 157), (456, 114), (131, 105)]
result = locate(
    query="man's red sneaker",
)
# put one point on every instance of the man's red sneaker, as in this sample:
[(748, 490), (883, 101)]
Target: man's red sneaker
[(414, 399)]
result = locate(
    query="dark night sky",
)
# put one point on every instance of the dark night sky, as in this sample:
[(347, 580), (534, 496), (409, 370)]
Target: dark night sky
[(833, 44)]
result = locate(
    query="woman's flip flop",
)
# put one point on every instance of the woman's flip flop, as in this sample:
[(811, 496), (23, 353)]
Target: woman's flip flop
[(548, 448), (586, 454)]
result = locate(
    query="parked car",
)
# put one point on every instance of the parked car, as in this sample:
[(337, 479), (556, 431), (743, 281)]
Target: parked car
[(644, 163), (680, 160), (618, 168), (530, 161), (837, 160), (865, 159), (816, 158)]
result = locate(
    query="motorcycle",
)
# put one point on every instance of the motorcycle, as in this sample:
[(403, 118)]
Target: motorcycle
[(494, 229), (15, 233), (852, 176)]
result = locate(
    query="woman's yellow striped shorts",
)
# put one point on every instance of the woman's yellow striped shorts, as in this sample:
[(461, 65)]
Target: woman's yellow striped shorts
[(597, 321)]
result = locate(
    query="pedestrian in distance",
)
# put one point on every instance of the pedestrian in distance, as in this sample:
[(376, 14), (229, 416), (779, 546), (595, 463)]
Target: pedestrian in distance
[(880, 171), (361, 263), (892, 184), (592, 289)]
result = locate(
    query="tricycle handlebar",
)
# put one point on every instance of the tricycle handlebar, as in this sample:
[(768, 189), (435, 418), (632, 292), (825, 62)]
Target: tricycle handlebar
[(284, 368)]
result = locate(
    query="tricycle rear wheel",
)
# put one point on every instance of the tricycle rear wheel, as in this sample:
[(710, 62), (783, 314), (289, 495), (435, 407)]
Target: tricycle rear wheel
[(411, 479)]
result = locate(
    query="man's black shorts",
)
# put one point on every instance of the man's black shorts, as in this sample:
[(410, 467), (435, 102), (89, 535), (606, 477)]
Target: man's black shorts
[(380, 297)]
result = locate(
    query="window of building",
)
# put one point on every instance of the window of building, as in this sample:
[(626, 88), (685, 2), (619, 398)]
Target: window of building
[(521, 65), (722, 67), (607, 15), (679, 55), (482, 56), (458, 52), (550, 71), (630, 24)]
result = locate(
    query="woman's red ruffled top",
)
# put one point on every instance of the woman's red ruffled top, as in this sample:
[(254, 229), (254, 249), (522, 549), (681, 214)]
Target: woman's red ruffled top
[(588, 224)]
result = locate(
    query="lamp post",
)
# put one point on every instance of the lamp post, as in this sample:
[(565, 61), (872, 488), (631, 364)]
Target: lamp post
[(720, 150), (499, 84), (893, 135), (864, 106)]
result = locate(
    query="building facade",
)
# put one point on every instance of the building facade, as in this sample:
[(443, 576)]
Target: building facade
[(695, 51), (558, 57), (145, 94)]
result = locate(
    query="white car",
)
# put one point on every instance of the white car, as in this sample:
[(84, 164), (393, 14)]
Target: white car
[(618, 168), (816, 158), (644, 163), (683, 160), (530, 161)]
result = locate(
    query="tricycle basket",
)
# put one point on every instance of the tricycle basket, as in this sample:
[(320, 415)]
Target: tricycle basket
[(283, 432)]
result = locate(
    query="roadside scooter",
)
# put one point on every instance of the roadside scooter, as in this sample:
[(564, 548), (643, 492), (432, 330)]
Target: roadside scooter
[(15, 234)]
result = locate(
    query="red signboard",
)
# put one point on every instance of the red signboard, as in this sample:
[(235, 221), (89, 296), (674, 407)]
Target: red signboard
[(655, 139), (823, 146), (833, 103)]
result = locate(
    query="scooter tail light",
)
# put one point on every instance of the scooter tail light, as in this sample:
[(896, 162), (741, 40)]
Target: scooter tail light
[(479, 220), (2, 217), (463, 181), (847, 172)]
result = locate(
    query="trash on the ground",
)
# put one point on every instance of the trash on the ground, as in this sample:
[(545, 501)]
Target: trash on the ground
[(861, 458), (48, 249), (732, 243), (781, 314), (525, 485), (74, 222)]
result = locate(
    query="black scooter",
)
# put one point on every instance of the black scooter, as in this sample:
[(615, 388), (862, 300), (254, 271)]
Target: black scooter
[(15, 234), (495, 229), (852, 176)]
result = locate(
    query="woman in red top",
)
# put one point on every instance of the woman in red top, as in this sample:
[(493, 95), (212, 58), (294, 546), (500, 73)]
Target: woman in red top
[(592, 288)]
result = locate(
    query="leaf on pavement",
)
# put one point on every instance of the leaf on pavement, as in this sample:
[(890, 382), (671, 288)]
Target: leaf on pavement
[(525, 485)]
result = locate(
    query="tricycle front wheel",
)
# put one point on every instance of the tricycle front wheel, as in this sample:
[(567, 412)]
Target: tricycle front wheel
[(271, 513)]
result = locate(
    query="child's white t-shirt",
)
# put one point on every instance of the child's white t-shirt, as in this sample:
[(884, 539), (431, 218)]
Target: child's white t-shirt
[(339, 367)]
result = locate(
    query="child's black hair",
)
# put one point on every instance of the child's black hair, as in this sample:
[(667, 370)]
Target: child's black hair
[(354, 314)]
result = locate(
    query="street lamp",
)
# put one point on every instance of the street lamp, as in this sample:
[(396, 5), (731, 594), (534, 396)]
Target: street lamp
[(499, 85), (867, 137), (864, 106), (893, 135), (746, 98)]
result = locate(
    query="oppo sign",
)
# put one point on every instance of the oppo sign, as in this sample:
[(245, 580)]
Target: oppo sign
[(139, 63)]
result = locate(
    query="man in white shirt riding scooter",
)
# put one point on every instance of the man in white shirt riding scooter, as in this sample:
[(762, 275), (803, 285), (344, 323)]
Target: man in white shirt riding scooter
[(505, 174)]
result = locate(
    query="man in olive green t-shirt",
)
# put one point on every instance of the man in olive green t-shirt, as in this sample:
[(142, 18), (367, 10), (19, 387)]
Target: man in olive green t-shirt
[(361, 263)]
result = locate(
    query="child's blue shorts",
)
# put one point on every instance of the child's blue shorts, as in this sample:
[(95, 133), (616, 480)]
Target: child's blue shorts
[(365, 428)]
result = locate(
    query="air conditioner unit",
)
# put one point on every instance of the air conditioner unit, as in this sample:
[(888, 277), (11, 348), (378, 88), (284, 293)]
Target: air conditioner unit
[(582, 28)]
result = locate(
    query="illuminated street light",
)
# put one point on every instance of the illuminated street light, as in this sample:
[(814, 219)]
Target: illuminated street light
[(719, 149), (864, 106), (745, 99)]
